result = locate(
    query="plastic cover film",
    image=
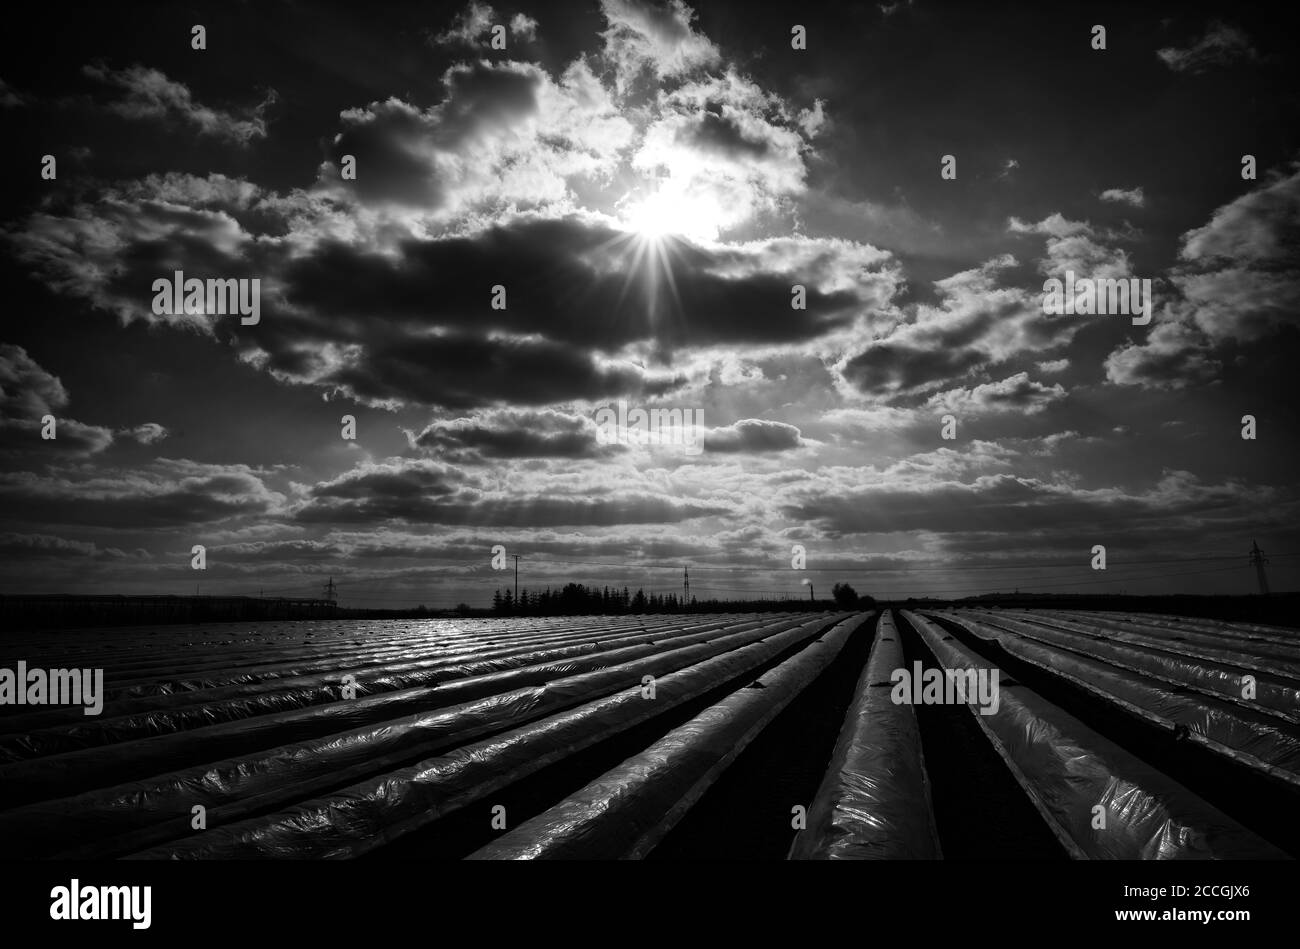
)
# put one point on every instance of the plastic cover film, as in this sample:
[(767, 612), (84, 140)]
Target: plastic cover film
[(1067, 769), (191, 675), (1242, 652), (130, 690), (1274, 694), (97, 767), (626, 811), (293, 770), (352, 821), (379, 694), (190, 664), (1257, 741), (1275, 637), (1278, 634), (874, 803)]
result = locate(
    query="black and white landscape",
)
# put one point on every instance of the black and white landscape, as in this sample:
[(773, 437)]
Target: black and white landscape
[(436, 422)]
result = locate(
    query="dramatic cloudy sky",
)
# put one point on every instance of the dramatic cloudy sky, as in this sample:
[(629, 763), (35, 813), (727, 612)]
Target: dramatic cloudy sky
[(648, 182)]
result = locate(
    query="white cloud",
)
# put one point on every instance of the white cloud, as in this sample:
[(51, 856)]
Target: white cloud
[(29, 392), (977, 324), (1221, 45), (1239, 274), (507, 135), (1017, 393), (151, 95), (1130, 196), (644, 35), (1074, 246), (724, 149), (1173, 356), (9, 98), (889, 9), (146, 434), (523, 27), (472, 26), (469, 26), (813, 120)]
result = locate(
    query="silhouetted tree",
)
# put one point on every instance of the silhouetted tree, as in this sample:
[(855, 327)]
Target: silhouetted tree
[(846, 598)]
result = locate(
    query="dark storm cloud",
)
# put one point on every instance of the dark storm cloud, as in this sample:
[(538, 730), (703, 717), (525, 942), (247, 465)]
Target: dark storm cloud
[(386, 146), (428, 492), (462, 371), (415, 324), (515, 434), (977, 325), (397, 145), (715, 132), (897, 369), (30, 547), (167, 494), (993, 502), (574, 280), (109, 251), (384, 350), (417, 480), (287, 551), (753, 435)]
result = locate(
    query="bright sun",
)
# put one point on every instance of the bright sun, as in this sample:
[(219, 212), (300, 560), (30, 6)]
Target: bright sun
[(668, 213), (655, 228), (657, 216)]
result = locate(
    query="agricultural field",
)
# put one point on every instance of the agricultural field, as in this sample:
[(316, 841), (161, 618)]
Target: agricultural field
[(947, 734)]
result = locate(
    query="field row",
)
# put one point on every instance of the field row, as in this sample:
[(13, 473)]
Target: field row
[(1070, 735)]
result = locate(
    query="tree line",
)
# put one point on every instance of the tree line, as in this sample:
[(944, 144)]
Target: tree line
[(574, 599)]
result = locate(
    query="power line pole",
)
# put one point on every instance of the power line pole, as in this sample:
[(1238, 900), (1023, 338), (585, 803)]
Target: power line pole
[(516, 578), (686, 585), (330, 591), (1258, 559)]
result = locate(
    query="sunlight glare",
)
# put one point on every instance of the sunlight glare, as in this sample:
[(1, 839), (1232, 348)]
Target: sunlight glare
[(669, 213)]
